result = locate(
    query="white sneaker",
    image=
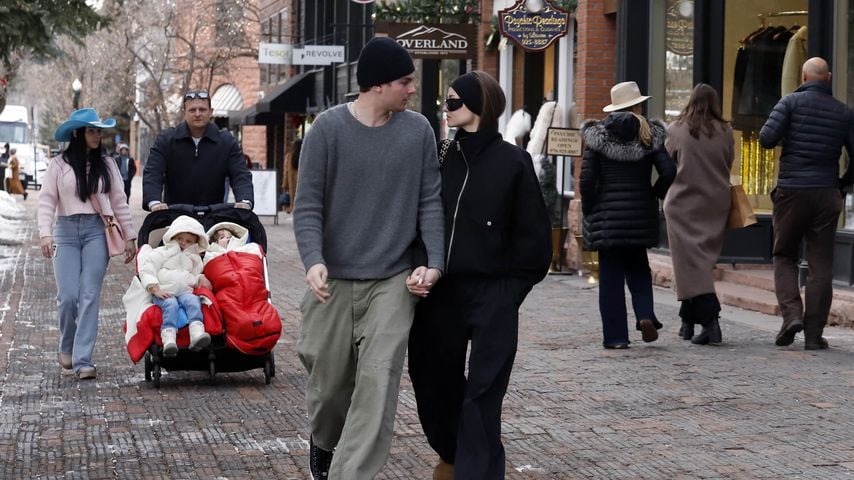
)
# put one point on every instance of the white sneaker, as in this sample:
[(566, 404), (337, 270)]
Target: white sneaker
[(170, 348), (199, 338)]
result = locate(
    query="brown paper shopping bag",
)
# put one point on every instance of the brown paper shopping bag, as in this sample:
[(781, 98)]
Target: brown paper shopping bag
[(740, 212)]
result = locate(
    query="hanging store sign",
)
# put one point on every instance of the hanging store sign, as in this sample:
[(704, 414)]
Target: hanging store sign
[(442, 41), (564, 142), (319, 55), (679, 36), (533, 28), (275, 53)]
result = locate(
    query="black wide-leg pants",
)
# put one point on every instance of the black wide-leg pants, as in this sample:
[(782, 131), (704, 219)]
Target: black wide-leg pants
[(461, 416)]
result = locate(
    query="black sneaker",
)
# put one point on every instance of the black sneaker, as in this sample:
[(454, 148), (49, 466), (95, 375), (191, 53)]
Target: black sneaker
[(319, 461)]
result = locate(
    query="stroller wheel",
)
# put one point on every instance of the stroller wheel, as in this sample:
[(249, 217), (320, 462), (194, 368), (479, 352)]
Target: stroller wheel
[(212, 371), (157, 375), (268, 371), (147, 367)]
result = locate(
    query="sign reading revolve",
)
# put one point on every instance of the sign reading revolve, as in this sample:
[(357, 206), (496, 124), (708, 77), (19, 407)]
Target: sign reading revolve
[(533, 30), (319, 55), (564, 142)]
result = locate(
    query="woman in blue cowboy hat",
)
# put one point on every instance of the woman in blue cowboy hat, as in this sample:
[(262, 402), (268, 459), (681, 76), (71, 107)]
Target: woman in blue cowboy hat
[(72, 232)]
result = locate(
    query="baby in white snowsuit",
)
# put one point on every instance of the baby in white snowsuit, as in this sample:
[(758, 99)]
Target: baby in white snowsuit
[(170, 273)]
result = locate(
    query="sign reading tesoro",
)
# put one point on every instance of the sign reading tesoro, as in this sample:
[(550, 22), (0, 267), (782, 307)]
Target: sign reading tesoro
[(433, 40), (533, 31)]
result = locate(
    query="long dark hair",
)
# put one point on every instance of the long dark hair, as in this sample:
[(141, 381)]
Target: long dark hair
[(77, 156), (703, 111), (493, 100)]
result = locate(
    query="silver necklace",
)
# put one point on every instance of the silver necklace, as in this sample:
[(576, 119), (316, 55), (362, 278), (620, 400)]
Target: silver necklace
[(356, 114)]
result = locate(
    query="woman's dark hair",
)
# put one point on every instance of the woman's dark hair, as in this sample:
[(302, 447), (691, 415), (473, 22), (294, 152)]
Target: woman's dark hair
[(703, 111), (77, 156), (493, 100)]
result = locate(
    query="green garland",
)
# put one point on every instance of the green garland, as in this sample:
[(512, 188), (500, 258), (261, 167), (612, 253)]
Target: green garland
[(427, 11), (568, 5)]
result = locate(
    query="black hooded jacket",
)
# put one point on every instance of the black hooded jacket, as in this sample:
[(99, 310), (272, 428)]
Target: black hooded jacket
[(496, 223), (618, 199)]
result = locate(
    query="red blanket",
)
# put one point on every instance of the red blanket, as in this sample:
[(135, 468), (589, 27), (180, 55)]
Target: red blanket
[(148, 326), (252, 324)]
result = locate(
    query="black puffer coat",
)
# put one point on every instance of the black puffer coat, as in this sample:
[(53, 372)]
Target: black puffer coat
[(813, 127), (618, 199)]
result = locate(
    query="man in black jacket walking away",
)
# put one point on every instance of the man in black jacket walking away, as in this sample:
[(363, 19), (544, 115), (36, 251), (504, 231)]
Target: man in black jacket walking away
[(813, 127)]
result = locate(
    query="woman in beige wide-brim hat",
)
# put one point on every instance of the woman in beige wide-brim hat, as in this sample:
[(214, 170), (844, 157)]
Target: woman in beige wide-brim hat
[(620, 207)]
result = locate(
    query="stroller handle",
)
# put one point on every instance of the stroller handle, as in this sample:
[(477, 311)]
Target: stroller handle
[(200, 209)]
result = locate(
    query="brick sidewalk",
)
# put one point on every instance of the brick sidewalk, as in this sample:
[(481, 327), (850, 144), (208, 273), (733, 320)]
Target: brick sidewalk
[(746, 409)]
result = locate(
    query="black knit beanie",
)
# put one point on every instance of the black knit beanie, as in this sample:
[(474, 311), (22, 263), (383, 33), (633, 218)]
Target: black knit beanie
[(468, 88), (382, 60)]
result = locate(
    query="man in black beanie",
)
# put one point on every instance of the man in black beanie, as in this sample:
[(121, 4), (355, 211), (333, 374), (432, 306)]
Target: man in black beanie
[(368, 184)]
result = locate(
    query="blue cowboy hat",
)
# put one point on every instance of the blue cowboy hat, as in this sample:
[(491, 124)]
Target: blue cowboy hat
[(85, 117)]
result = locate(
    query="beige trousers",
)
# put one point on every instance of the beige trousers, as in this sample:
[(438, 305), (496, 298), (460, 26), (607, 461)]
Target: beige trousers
[(353, 347)]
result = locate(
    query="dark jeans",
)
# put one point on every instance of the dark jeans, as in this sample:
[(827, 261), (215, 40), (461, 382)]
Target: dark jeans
[(461, 416), (811, 215), (617, 268)]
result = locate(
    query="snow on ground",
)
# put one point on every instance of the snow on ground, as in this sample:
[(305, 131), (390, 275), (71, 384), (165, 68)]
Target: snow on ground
[(11, 216)]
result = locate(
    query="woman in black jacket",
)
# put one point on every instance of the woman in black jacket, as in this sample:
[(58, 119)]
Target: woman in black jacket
[(620, 206), (498, 246)]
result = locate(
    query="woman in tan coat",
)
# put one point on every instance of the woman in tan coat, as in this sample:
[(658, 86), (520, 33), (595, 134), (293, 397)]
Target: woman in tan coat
[(700, 141), (289, 179), (15, 185)]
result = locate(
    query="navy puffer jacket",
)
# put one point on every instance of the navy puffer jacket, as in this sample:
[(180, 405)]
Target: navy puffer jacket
[(618, 199), (813, 127)]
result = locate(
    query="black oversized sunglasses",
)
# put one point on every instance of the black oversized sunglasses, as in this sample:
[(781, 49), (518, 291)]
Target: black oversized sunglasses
[(454, 104), (194, 94)]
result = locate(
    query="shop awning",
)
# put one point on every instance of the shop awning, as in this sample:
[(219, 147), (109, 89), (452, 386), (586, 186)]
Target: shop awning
[(251, 116), (226, 101), (293, 96)]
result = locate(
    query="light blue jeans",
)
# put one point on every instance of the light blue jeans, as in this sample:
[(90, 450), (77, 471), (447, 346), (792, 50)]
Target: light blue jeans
[(191, 303), (79, 265)]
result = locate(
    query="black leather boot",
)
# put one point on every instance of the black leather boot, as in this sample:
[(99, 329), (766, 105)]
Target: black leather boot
[(686, 331), (710, 335)]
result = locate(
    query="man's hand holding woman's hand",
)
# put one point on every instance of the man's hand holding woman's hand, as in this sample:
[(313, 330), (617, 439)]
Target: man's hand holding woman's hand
[(421, 280)]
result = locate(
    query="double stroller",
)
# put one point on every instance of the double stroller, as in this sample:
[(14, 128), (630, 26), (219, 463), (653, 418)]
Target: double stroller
[(238, 313)]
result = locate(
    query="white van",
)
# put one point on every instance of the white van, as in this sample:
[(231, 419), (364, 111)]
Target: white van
[(16, 130)]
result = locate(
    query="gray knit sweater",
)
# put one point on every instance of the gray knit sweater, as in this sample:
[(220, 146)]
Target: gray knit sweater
[(364, 194)]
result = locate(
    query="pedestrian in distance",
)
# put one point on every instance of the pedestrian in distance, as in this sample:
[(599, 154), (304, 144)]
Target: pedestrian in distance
[(127, 166), (190, 163), (620, 207), (72, 232), (497, 247), (813, 127), (15, 185), (289, 179), (4, 161), (701, 144), (169, 274), (368, 185)]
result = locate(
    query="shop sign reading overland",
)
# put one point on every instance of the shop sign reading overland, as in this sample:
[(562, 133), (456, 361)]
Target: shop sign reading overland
[(533, 31), (432, 40)]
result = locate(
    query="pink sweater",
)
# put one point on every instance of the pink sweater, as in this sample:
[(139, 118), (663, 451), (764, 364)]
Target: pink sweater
[(58, 197)]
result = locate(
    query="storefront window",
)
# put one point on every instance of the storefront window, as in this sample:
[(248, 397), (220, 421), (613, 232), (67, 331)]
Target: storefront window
[(764, 48), (679, 60), (849, 199)]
